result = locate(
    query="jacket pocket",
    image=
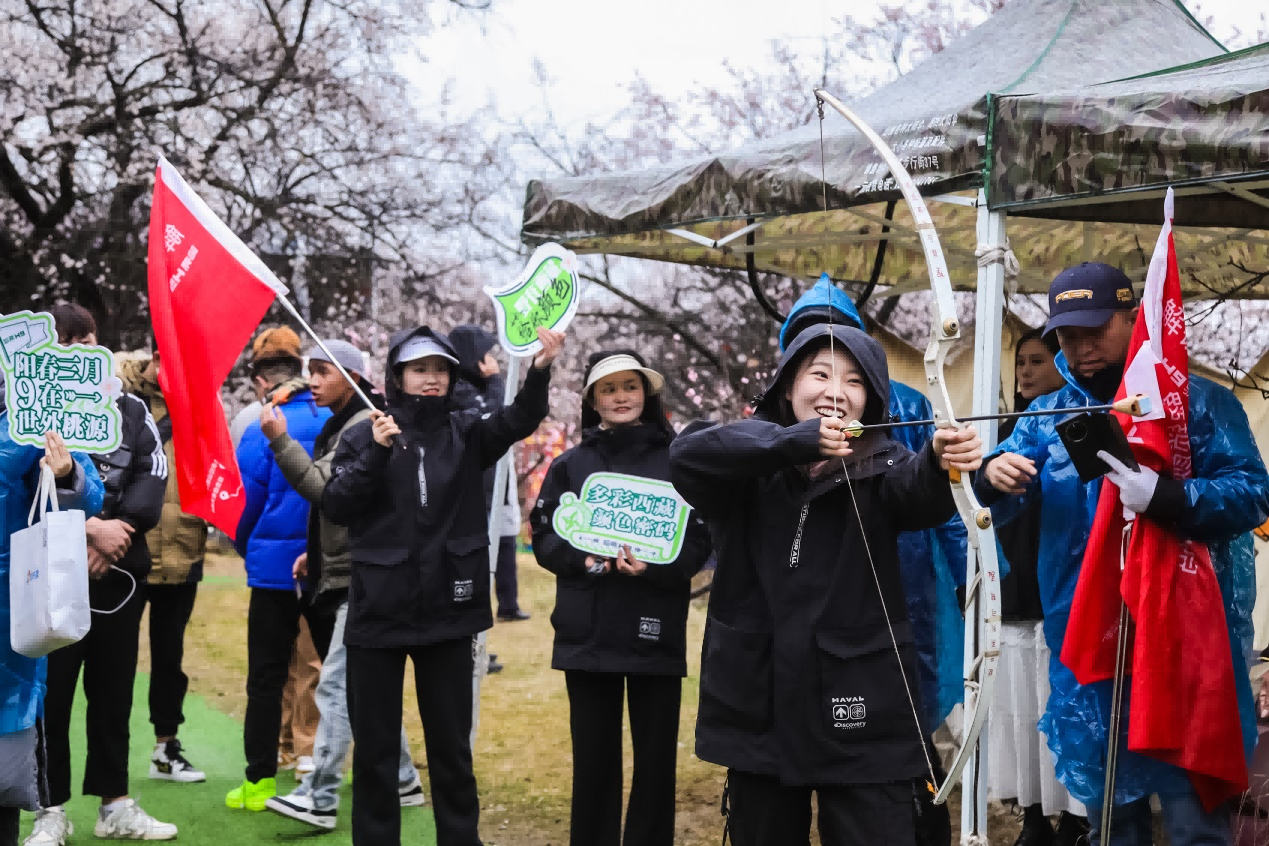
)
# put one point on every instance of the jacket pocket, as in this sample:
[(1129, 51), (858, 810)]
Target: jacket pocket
[(382, 592), (736, 677), (864, 695), (385, 557), (574, 616), (467, 570)]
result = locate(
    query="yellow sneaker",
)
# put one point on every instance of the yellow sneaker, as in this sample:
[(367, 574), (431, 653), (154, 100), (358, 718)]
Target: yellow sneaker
[(252, 795)]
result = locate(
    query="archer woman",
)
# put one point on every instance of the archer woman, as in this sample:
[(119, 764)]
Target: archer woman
[(808, 675), (620, 623)]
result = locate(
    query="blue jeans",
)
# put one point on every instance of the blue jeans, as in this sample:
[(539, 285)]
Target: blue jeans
[(334, 734), (1184, 821)]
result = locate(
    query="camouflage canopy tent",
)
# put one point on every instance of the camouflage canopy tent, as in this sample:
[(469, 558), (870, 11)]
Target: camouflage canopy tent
[(1069, 167)]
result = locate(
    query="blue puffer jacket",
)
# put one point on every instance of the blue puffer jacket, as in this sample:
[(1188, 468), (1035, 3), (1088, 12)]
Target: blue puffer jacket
[(22, 679), (1228, 497), (273, 531), (932, 561)]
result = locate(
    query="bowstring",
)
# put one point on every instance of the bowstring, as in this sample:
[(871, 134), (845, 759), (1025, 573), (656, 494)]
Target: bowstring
[(850, 487)]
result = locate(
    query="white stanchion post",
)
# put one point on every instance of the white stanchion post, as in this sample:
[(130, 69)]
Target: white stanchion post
[(504, 474), (988, 328)]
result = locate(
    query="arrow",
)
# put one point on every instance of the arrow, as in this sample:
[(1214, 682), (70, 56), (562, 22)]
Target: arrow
[(72, 396), (1137, 405)]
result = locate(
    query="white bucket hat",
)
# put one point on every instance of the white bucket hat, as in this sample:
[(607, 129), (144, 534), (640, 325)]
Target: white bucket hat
[(618, 364)]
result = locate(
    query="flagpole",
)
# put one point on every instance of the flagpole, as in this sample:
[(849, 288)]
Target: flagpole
[(320, 345), (1117, 697)]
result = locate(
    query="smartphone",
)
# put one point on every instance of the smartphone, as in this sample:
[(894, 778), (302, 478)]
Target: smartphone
[(1084, 435)]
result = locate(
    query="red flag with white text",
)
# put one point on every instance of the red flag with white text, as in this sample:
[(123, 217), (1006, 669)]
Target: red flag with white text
[(208, 293), (1184, 706)]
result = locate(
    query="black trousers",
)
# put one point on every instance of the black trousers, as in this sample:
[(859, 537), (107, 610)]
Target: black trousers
[(170, 610), (9, 819), (108, 656), (595, 716), (506, 583), (273, 623), (763, 812), (442, 680)]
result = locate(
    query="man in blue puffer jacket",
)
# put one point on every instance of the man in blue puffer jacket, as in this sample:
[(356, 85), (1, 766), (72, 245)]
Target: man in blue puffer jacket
[(22, 679), (1092, 308), (931, 561), (272, 534)]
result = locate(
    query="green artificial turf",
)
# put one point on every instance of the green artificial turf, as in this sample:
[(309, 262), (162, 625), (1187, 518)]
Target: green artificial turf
[(213, 743)]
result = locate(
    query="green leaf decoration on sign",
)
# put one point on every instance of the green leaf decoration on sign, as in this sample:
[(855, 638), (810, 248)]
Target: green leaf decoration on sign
[(48, 387), (615, 509), (544, 295)]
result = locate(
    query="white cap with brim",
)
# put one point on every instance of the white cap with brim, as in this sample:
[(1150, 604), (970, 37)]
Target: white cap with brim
[(421, 346), (620, 363)]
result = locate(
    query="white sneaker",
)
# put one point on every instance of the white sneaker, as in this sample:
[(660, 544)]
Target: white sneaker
[(51, 828), (168, 764), (299, 806), (128, 822), (303, 766), (412, 796)]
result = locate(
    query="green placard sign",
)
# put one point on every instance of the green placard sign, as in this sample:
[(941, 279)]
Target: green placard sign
[(47, 387), (545, 294), (614, 509)]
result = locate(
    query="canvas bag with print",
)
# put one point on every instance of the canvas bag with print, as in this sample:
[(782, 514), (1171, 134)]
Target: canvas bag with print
[(48, 577)]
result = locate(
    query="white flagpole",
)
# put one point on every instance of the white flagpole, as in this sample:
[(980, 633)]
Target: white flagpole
[(286, 303)]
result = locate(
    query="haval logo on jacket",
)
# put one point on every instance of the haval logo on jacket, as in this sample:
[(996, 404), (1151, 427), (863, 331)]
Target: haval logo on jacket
[(649, 628), (848, 711)]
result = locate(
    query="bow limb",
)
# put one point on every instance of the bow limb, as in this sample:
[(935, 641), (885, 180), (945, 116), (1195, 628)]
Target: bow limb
[(983, 567)]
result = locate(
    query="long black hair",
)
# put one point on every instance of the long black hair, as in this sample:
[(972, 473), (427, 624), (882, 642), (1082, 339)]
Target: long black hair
[(1050, 342), (653, 414)]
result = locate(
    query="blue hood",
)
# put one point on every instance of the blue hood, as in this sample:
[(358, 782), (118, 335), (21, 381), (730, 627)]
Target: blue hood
[(814, 307)]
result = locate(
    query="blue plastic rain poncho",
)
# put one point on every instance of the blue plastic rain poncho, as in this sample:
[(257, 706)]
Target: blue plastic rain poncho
[(1228, 497), (22, 679), (933, 562)]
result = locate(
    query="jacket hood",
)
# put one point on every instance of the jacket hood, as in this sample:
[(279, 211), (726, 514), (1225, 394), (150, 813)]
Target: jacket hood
[(870, 355), (471, 343), (391, 392), (823, 301)]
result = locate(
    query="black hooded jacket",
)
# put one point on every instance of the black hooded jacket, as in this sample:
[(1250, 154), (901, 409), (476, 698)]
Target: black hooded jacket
[(418, 532), (616, 623), (799, 674)]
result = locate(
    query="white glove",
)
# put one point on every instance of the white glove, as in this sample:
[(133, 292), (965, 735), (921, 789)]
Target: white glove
[(1136, 487)]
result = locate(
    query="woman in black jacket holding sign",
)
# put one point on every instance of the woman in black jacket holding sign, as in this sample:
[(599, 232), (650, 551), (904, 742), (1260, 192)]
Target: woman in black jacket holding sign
[(408, 484), (620, 623)]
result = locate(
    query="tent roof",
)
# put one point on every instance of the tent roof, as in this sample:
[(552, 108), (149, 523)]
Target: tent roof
[(1073, 153), (935, 116)]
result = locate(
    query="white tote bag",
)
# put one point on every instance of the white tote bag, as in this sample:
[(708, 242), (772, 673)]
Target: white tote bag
[(48, 577)]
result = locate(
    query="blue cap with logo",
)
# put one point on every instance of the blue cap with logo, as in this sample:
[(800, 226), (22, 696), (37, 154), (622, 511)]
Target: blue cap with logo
[(1087, 295)]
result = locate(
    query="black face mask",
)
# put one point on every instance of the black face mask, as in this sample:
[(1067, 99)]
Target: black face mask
[(1103, 384), (419, 411)]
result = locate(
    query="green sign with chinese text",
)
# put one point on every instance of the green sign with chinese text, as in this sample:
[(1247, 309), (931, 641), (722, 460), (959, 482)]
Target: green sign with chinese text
[(545, 295), (48, 387), (614, 510)]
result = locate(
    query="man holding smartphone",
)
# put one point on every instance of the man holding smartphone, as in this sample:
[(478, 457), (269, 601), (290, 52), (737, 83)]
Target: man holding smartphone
[(1093, 309)]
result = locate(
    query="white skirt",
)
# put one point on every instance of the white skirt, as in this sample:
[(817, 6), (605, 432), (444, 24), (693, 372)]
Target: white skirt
[(1019, 763)]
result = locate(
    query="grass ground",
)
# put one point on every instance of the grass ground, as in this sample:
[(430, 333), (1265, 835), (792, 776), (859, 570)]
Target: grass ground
[(523, 755)]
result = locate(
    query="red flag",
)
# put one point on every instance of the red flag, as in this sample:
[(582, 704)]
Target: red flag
[(1184, 703), (208, 293)]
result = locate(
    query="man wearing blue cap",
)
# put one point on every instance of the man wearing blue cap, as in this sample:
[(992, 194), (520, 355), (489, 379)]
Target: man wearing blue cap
[(1092, 309)]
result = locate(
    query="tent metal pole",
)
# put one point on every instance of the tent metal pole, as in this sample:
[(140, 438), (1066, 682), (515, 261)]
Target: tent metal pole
[(503, 474), (988, 327)]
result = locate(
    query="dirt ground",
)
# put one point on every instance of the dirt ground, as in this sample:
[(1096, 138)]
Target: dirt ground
[(523, 757)]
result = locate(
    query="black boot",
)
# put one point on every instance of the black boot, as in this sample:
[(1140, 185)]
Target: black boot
[(1071, 831), (1036, 830)]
